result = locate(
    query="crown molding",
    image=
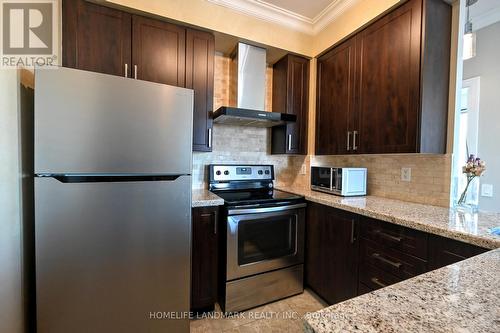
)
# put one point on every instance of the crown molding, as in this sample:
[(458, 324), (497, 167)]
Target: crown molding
[(271, 13), (486, 19), (267, 12), (330, 13)]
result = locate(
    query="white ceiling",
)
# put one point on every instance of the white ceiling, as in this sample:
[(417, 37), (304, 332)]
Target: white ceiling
[(309, 16), (484, 13), (309, 9)]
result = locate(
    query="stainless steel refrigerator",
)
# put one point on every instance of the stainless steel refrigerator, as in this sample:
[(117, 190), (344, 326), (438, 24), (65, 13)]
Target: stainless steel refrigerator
[(112, 203)]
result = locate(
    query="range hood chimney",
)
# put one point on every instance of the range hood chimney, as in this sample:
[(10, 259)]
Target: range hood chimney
[(249, 69)]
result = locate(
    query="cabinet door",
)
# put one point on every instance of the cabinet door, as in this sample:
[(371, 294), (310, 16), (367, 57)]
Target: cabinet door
[(200, 77), (204, 258), (96, 38), (315, 255), (388, 81), (297, 104), (335, 99), (158, 52), (332, 252), (445, 251)]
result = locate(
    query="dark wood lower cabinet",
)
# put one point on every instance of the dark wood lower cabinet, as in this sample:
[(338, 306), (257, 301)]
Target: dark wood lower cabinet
[(331, 253), (445, 251), (204, 258), (340, 265)]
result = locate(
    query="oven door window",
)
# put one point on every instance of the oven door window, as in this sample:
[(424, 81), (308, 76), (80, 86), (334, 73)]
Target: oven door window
[(266, 238)]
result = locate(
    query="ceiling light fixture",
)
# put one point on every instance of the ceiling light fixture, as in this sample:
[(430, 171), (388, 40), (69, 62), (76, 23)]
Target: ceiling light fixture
[(469, 36)]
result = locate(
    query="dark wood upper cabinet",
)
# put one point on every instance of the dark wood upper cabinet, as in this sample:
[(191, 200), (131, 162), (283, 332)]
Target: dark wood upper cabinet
[(204, 258), (401, 77), (106, 40), (158, 51), (291, 95), (96, 38), (388, 82), (331, 252), (200, 53), (335, 99)]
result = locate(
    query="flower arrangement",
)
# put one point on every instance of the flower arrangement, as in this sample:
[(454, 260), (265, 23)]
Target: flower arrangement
[(474, 167)]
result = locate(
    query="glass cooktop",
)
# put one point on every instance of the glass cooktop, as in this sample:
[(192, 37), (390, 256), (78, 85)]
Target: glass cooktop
[(255, 197)]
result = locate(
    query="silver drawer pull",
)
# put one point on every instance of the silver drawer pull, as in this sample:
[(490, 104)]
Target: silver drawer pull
[(378, 282), (135, 72), (126, 70), (387, 261), (388, 237), (210, 138), (348, 140), (354, 134), (289, 142)]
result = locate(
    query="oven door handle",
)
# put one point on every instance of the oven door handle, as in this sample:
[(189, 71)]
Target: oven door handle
[(265, 210)]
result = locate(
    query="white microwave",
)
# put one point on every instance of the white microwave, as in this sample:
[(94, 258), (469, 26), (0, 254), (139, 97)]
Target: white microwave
[(340, 181)]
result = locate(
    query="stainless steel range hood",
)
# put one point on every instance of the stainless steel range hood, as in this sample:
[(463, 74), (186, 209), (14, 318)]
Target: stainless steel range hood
[(249, 76)]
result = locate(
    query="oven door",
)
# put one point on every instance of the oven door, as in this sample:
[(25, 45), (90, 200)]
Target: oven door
[(263, 239)]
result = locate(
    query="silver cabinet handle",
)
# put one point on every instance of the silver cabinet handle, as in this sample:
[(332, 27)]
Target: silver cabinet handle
[(289, 142), (387, 261), (210, 138), (126, 70), (135, 72), (348, 140), (354, 134), (378, 282)]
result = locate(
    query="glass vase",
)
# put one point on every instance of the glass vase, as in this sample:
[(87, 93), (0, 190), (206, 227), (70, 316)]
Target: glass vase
[(468, 201)]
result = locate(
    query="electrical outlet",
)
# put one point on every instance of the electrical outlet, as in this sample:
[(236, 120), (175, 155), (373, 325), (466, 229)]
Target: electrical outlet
[(486, 190), (303, 169), (406, 174)]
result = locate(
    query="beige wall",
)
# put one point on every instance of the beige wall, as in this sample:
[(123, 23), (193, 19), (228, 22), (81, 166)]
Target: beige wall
[(11, 306), (349, 21), (214, 17)]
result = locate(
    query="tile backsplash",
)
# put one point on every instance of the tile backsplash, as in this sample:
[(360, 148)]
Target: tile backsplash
[(430, 174), (237, 144)]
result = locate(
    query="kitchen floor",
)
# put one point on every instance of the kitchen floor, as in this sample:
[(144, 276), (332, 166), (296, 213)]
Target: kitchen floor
[(281, 316)]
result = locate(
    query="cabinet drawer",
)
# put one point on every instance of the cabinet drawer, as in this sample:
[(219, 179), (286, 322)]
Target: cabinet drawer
[(363, 289), (392, 261), (375, 278), (392, 236), (445, 251)]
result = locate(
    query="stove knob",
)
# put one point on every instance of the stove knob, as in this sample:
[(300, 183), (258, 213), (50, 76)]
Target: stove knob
[(270, 185), (226, 172), (267, 172), (218, 172), (260, 172)]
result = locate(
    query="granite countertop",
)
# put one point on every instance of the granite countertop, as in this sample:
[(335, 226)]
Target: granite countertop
[(205, 198), (462, 297), (469, 228)]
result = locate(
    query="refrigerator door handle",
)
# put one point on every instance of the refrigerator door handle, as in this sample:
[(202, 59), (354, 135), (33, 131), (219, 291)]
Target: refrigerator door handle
[(111, 178)]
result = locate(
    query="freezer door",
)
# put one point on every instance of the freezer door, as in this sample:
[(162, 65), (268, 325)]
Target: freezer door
[(112, 256), (89, 122)]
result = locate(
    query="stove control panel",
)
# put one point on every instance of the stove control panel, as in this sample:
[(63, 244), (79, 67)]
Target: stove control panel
[(221, 172)]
